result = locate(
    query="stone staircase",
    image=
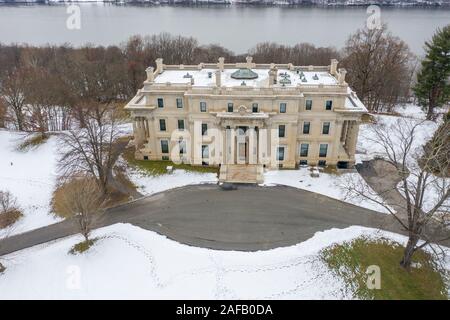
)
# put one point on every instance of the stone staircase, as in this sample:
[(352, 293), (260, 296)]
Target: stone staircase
[(242, 173)]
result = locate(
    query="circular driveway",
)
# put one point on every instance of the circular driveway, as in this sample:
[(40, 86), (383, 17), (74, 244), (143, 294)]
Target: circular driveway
[(249, 218)]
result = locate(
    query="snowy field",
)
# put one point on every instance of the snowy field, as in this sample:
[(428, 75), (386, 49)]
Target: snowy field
[(131, 263), (31, 177)]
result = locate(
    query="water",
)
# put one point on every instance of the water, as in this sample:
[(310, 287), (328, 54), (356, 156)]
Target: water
[(234, 27)]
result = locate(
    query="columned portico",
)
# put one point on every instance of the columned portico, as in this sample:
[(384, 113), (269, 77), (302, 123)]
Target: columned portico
[(241, 160)]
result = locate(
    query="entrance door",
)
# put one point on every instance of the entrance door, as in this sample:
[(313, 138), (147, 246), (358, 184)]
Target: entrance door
[(242, 153)]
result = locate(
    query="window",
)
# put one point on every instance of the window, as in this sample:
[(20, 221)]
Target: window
[(280, 153), (165, 158), (160, 103), (179, 103), (328, 105), (323, 150), (205, 151), (304, 147), (281, 131), (303, 162), (306, 127), (230, 107), (204, 129), (162, 125), (322, 163), (308, 105), (283, 107), (326, 128), (164, 146), (255, 107), (202, 106), (182, 145), (180, 124)]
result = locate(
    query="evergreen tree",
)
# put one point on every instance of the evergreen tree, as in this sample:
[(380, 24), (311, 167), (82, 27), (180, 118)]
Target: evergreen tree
[(433, 80)]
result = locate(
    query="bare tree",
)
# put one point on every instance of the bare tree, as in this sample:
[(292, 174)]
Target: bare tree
[(380, 67), (425, 185), (12, 93), (3, 110), (299, 54), (9, 212), (9, 209), (84, 203), (92, 150)]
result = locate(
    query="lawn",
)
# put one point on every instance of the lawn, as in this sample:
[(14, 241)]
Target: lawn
[(350, 260), (159, 167)]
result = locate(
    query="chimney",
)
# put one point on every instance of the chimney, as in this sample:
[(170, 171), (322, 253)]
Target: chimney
[(150, 74), (333, 66), (272, 76), (249, 60), (221, 63), (159, 65), (218, 78), (341, 77)]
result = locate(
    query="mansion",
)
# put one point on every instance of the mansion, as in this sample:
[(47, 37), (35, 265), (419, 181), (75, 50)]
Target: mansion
[(244, 117)]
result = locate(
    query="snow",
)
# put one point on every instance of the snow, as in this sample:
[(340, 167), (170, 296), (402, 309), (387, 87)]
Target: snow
[(128, 262), (148, 184), (327, 184), (368, 149), (31, 177), (202, 79)]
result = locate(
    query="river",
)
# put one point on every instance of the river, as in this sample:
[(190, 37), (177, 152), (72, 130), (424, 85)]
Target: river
[(234, 27)]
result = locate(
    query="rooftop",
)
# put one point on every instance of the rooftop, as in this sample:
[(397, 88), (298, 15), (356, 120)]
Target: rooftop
[(255, 77)]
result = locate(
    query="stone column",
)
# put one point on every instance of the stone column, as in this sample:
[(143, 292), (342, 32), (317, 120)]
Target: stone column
[(337, 131), (139, 132), (343, 134), (252, 146), (352, 138), (231, 140)]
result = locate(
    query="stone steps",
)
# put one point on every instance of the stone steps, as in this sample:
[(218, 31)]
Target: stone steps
[(241, 173)]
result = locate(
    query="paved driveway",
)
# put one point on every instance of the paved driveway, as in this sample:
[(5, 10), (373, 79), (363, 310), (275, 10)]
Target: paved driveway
[(249, 218)]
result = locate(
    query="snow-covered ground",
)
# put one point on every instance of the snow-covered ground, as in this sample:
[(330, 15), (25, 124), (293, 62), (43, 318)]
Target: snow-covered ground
[(131, 263), (330, 185), (368, 149), (178, 178), (31, 177)]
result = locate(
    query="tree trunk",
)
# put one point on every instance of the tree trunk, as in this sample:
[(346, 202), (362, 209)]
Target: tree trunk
[(430, 113), (409, 251)]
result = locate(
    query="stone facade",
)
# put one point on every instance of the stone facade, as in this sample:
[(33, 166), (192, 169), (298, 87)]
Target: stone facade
[(247, 114)]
